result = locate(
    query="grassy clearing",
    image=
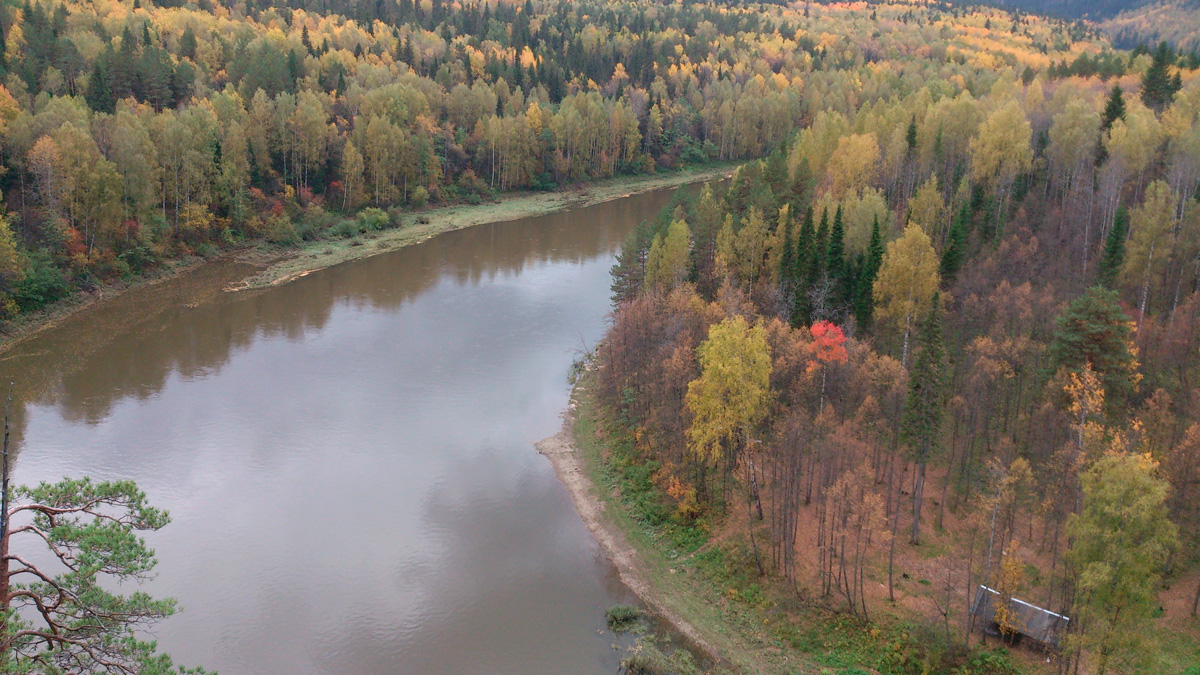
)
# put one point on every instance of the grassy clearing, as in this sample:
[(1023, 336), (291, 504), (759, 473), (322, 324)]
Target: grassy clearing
[(1178, 652), (758, 625), (289, 264)]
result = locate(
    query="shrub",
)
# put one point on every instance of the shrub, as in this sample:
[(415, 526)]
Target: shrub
[(344, 229), (280, 230), (138, 258), (372, 218), (419, 197), (648, 659), (43, 283), (314, 222), (622, 617), (994, 662)]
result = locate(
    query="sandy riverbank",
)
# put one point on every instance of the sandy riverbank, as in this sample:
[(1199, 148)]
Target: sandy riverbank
[(568, 463), (422, 225)]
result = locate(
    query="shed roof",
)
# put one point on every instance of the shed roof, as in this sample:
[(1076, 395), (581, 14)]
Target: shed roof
[(1030, 620)]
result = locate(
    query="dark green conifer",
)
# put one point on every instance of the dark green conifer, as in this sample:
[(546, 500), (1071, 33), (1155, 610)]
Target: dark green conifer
[(1158, 87), (1114, 108), (956, 241), (1095, 331), (864, 300), (187, 43), (1114, 250), (804, 239), (99, 94), (921, 423), (787, 260), (835, 260), (820, 244)]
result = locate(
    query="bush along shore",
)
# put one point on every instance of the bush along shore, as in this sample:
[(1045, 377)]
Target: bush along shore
[(699, 577), (310, 243)]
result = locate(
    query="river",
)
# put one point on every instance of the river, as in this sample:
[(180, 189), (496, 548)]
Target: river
[(348, 459)]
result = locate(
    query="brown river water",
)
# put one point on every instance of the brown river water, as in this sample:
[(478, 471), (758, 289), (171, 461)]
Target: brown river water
[(348, 459)]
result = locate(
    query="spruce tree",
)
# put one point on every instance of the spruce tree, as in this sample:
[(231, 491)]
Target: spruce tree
[(804, 243), (921, 423), (776, 172), (1114, 250), (787, 265), (956, 241), (800, 264), (187, 43), (1114, 109), (820, 244), (864, 300), (99, 94), (835, 259), (800, 195), (787, 260), (1094, 331), (1158, 86)]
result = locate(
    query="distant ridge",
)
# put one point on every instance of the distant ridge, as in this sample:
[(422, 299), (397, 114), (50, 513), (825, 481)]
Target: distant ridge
[(1095, 10), (1174, 21)]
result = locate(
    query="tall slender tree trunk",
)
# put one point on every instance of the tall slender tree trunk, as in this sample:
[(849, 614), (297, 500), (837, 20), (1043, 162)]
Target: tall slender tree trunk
[(1145, 290), (750, 529), (895, 530), (754, 484), (918, 489), (4, 526)]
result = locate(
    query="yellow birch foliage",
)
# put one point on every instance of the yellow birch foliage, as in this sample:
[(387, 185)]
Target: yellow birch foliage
[(732, 393), (908, 278)]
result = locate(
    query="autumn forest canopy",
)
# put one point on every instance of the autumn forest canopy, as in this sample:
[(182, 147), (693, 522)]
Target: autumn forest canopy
[(941, 328), (947, 339), (136, 133)]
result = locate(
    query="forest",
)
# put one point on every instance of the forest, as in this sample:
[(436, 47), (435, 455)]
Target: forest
[(941, 328), (1174, 21), (136, 133), (954, 335)]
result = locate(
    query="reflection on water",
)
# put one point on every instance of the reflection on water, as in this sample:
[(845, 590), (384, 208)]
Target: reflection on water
[(348, 458)]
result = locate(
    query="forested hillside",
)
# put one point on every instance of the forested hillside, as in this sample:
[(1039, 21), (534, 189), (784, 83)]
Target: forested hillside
[(1075, 9), (1173, 21), (950, 337), (134, 133)]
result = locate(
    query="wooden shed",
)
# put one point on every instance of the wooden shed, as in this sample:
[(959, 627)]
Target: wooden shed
[(1032, 622)]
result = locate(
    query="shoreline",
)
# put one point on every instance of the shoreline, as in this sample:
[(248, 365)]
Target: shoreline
[(272, 266), (569, 465), (49, 317), (289, 265)]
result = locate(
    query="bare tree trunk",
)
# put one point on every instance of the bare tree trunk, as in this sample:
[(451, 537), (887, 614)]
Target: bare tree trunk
[(4, 577), (750, 531), (918, 489), (1196, 600), (1145, 291), (895, 528), (754, 484)]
